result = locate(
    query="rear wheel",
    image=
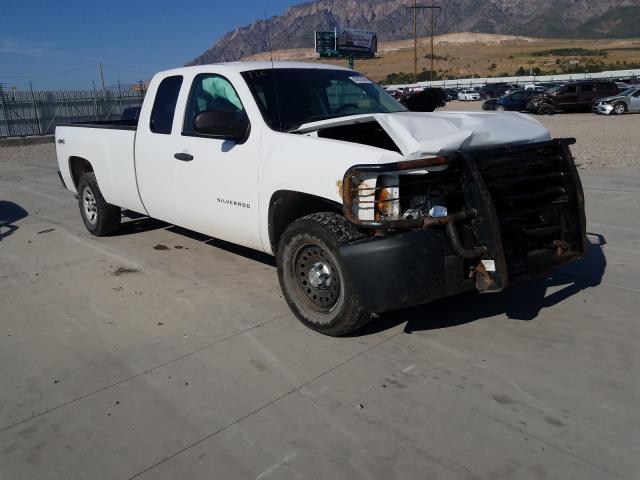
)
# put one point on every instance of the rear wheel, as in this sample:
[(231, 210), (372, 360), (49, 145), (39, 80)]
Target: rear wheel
[(100, 218), (619, 108), (499, 108), (313, 278)]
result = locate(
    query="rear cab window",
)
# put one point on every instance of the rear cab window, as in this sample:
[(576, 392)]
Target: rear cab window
[(164, 105)]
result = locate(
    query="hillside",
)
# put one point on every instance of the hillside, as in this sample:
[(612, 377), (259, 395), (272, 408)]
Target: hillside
[(465, 54), (391, 20)]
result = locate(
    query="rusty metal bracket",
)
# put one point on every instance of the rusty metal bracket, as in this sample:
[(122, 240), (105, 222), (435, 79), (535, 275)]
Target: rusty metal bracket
[(449, 221), (349, 188)]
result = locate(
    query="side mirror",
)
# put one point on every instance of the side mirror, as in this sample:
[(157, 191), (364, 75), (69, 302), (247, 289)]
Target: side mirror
[(223, 125)]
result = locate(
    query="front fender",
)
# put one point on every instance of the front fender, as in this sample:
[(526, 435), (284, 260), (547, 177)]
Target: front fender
[(309, 165)]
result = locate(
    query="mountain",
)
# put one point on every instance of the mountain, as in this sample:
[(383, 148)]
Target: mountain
[(392, 21)]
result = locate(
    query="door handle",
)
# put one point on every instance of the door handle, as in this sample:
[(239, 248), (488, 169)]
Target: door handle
[(185, 157)]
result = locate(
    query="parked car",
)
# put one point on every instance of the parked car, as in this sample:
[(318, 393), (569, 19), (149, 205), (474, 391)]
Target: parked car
[(452, 94), (425, 101), (130, 113), (574, 96), (367, 207), (468, 95), (626, 101), (493, 90), (514, 101)]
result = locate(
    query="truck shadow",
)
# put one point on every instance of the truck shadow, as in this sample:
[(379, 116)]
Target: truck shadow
[(134, 222), (9, 214), (522, 301)]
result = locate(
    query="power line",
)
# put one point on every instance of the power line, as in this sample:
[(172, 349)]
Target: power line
[(415, 9), (63, 72), (124, 69)]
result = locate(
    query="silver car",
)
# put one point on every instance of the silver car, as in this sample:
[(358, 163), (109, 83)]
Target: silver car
[(626, 101)]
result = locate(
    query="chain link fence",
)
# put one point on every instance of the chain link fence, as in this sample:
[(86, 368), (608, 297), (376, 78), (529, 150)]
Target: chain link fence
[(24, 113)]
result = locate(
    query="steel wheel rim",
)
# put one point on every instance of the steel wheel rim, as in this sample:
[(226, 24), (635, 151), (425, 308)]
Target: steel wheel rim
[(90, 206), (316, 278)]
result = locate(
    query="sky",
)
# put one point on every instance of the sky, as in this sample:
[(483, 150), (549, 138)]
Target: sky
[(58, 44)]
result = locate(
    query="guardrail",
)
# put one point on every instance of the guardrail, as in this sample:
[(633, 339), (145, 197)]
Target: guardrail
[(468, 82), (24, 113)]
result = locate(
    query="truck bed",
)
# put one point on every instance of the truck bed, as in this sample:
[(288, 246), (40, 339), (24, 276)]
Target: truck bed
[(109, 146)]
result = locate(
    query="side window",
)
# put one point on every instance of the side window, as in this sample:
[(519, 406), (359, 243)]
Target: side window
[(586, 87), (164, 105), (211, 92), (571, 89), (637, 94)]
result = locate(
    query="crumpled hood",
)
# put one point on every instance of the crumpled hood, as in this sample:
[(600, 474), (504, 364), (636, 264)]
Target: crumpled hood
[(420, 134)]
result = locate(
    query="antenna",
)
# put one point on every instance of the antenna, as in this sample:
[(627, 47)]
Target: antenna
[(273, 72), (268, 38)]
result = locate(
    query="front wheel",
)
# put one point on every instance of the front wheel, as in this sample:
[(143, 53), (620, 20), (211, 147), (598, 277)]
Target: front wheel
[(619, 108), (499, 108), (315, 282), (100, 218)]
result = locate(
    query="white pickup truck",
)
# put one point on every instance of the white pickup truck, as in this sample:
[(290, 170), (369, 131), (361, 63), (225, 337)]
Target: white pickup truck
[(367, 206)]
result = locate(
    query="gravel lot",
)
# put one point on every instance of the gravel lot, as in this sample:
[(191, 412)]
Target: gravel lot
[(602, 141)]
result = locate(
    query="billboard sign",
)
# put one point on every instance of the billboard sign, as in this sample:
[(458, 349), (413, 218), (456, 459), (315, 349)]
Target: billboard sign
[(347, 42)]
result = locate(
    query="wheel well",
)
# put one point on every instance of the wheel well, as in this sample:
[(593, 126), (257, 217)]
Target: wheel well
[(287, 206), (78, 166)]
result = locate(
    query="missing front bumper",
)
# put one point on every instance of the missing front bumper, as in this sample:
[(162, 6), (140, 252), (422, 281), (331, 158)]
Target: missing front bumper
[(524, 215)]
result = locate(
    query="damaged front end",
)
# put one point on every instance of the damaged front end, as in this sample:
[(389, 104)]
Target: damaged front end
[(473, 220)]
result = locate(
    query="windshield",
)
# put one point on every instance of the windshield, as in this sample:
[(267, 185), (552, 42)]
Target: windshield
[(628, 91), (306, 95), (554, 89)]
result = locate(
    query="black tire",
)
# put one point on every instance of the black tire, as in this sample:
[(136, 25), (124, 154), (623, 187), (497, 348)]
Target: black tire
[(619, 108), (100, 218), (331, 307), (546, 109)]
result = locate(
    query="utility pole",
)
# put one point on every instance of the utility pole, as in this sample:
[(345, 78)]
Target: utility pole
[(432, 7), (415, 9), (104, 89)]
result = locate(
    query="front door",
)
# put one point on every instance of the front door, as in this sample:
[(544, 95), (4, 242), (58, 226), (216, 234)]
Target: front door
[(568, 96), (215, 184)]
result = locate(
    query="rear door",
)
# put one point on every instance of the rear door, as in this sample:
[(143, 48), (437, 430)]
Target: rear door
[(154, 147), (586, 94)]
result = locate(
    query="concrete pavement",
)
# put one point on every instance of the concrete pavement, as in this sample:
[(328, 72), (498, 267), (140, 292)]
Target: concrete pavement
[(160, 353)]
